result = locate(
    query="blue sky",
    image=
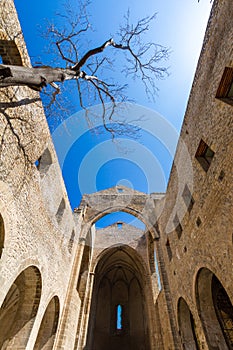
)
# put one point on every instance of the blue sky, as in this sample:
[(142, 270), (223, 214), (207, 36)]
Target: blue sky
[(92, 162)]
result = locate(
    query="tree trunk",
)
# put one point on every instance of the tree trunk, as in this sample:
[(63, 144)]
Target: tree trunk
[(36, 78)]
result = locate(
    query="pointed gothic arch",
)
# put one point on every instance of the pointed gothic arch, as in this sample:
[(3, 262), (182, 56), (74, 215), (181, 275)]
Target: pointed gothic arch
[(140, 205), (187, 326), (47, 332), (19, 309), (215, 310), (120, 279)]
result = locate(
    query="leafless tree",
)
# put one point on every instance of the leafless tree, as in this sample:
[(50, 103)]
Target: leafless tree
[(143, 61)]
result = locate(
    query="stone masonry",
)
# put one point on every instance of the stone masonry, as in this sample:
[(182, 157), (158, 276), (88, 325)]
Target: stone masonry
[(64, 282)]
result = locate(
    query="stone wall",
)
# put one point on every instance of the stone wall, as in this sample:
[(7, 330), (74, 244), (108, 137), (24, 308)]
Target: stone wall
[(50, 257), (35, 233), (198, 235)]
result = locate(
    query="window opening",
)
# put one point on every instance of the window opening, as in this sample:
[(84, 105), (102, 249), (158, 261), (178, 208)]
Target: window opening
[(198, 221), (43, 162), (71, 242), (60, 210), (151, 253), (225, 89), (188, 199), (204, 155), (9, 53), (178, 227), (119, 225), (169, 250), (2, 234), (120, 190), (221, 176), (119, 317), (37, 163)]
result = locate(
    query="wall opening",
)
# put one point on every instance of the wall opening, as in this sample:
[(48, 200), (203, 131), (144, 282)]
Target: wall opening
[(2, 235), (119, 311), (60, 210), (43, 162), (47, 332), (71, 242), (188, 198), (225, 89), (169, 250), (19, 309), (119, 225), (187, 326), (119, 217), (178, 227), (9, 52), (83, 274), (83, 280), (215, 310), (204, 155), (223, 309), (151, 253)]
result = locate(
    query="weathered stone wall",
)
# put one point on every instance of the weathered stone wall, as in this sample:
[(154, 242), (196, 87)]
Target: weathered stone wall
[(36, 233), (206, 228), (51, 254)]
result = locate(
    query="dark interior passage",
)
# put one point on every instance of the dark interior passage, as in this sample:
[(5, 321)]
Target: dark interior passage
[(118, 318)]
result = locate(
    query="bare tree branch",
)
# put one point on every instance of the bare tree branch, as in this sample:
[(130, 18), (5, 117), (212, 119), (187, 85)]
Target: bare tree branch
[(143, 61)]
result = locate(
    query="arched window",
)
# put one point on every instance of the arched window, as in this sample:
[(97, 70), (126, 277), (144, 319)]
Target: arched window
[(119, 317)]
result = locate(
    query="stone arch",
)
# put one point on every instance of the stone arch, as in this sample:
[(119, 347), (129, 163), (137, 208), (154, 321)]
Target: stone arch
[(47, 332), (92, 208), (215, 310), (187, 326), (19, 309), (127, 210), (2, 234), (138, 204), (120, 279)]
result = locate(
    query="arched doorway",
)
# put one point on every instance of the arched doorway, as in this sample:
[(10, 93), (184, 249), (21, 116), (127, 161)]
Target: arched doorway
[(119, 310), (215, 310), (46, 335), (19, 309), (187, 326)]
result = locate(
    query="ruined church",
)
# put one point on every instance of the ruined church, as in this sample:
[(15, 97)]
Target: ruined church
[(64, 285)]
